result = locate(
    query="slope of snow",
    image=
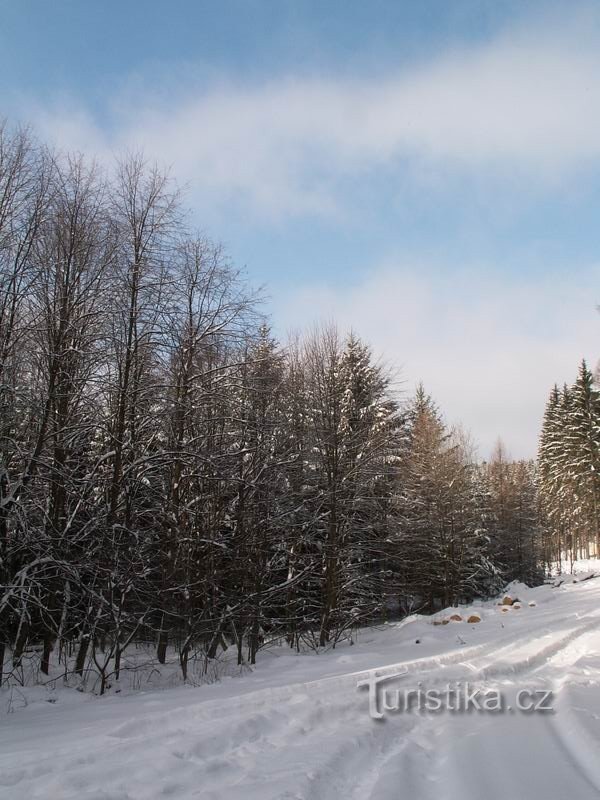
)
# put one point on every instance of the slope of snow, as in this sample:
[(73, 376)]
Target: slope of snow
[(298, 728)]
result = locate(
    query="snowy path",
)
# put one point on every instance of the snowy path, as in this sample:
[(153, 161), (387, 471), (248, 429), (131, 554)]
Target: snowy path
[(298, 728)]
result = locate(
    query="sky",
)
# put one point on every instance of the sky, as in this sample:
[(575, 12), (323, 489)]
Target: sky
[(424, 172)]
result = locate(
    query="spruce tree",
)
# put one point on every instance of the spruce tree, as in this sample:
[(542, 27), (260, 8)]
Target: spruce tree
[(583, 458)]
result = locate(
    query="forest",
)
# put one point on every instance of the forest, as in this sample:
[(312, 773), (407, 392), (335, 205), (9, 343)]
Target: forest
[(173, 476)]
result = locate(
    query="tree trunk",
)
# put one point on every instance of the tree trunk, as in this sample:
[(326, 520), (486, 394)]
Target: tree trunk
[(82, 654), (163, 643), (20, 644), (183, 660), (48, 647)]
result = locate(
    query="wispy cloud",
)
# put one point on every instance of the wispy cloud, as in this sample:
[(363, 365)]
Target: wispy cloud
[(488, 348), (531, 101)]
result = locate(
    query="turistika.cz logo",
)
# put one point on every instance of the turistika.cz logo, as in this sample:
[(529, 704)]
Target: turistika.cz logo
[(455, 698)]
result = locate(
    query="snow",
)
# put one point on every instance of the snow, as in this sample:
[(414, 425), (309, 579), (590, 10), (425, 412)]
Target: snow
[(581, 565), (297, 727)]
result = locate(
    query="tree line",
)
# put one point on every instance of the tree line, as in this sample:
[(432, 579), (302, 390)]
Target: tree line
[(171, 474), (569, 469)]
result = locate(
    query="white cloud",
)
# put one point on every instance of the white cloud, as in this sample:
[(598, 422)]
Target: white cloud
[(526, 104), (487, 347), (527, 101)]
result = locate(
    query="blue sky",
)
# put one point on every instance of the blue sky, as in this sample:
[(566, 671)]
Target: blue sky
[(427, 172)]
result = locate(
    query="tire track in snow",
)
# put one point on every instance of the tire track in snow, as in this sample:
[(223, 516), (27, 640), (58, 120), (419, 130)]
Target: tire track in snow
[(410, 761)]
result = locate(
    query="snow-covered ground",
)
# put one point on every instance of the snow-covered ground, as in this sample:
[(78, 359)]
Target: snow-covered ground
[(297, 727), (581, 565)]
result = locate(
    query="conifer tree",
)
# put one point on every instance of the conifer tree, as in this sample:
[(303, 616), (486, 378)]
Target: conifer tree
[(444, 541), (582, 444)]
